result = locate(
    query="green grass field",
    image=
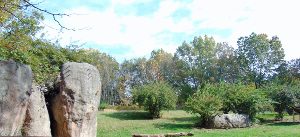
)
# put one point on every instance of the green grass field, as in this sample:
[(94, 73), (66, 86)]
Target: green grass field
[(124, 124)]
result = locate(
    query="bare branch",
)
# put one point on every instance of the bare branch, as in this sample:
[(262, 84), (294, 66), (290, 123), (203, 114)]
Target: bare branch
[(54, 15), (46, 11), (26, 4)]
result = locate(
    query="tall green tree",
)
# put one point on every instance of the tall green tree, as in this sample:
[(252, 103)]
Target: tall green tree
[(288, 72), (141, 71), (294, 67), (227, 66), (195, 65), (259, 57), (132, 73), (160, 66)]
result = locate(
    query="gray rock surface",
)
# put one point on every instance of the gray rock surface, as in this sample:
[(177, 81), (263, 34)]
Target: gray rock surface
[(74, 108), (37, 122), (231, 121), (15, 88)]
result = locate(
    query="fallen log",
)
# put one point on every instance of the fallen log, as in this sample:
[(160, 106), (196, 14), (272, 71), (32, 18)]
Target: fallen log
[(163, 135)]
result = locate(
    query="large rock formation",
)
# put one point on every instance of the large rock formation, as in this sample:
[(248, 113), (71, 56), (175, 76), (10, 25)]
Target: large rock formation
[(231, 121), (74, 109), (15, 88), (37, 121)]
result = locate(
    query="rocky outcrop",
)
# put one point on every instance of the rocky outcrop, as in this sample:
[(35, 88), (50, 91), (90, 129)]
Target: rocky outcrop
[(15, 88), (37, 121), (74, 108), (231, 121)]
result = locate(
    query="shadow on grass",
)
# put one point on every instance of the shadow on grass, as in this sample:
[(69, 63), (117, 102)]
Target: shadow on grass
[(284, 124), (185, 119), (129, 115), (266, 121), (174, 126)]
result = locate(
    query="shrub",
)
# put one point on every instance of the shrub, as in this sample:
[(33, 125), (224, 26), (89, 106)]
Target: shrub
[(242, 99), (205, 103), (103, 105), (155, 97)]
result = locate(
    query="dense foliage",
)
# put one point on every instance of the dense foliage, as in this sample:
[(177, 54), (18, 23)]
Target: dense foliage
[(204, 103), (258, 56), (242, 99), (155, 97), (284, 97), (214, 99)]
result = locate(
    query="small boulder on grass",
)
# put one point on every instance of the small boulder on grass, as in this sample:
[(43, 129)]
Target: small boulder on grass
[(231, 121)]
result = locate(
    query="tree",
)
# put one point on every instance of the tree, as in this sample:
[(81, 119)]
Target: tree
[(155, 97), (131, 73), (195, 65), (284, 98), (294, 68), (259, 57), (288, 73), (283, 75), (141, 71), (160, 66), (227, 66), (8, 8)]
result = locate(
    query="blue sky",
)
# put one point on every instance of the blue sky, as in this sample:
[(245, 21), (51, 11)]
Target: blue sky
[(133, 28)]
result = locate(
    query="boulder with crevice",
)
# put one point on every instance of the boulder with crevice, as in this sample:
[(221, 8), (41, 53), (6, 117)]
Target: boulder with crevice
[(37, 122), (15, 89), (74, 108)]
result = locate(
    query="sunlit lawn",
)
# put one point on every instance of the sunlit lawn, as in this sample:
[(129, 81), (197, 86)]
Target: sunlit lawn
[(124, 124)]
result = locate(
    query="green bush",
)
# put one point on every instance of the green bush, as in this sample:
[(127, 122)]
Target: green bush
[(103, 105), (237, 98), (242, 99), (155, 97), (205, 103)]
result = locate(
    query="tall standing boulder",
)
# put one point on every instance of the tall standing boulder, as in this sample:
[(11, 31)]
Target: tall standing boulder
[(74, 108), (37, 122), (15, 89)]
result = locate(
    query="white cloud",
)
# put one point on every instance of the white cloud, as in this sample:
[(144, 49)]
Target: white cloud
[(105, 28), (273, 17), (139, 33)]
